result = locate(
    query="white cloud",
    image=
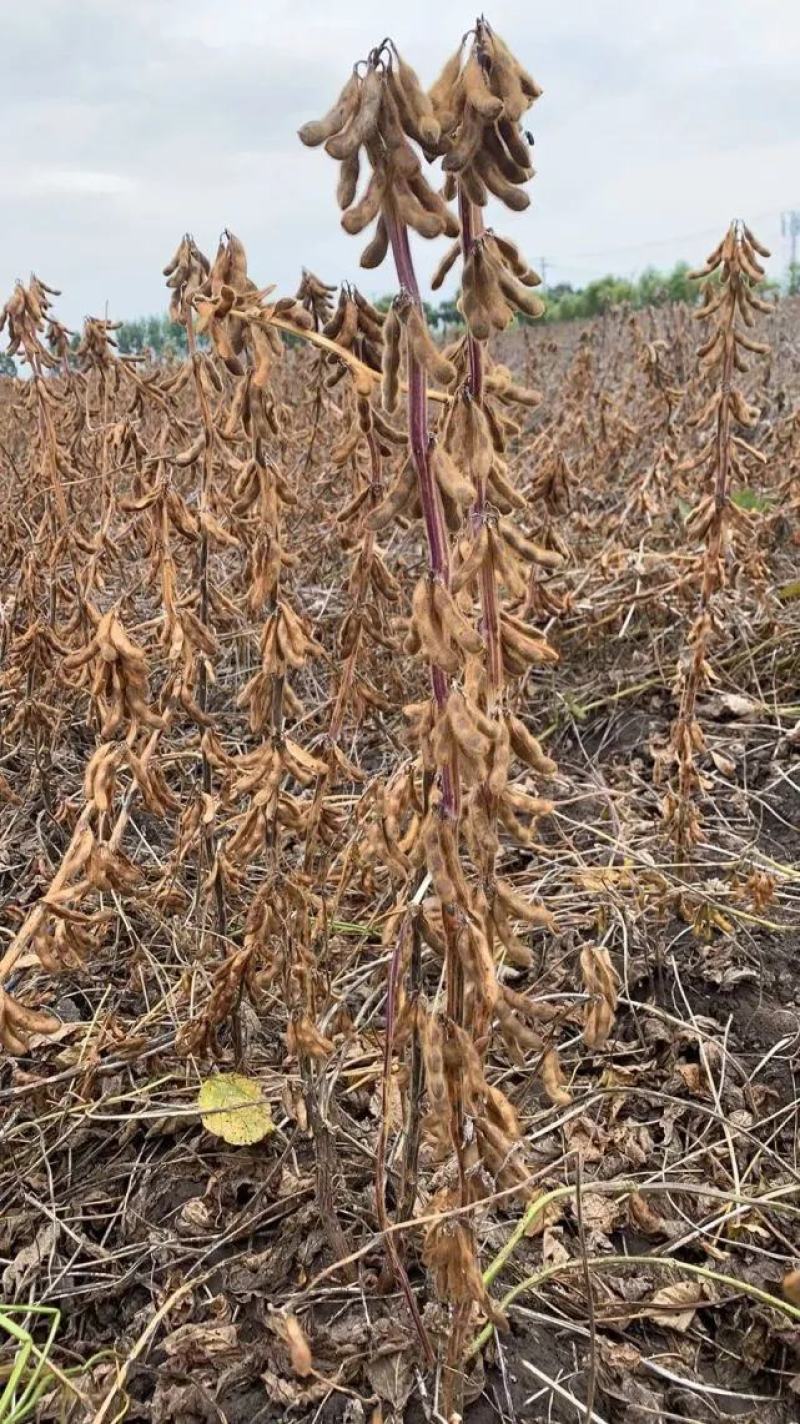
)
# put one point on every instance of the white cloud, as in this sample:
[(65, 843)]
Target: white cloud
[(77, 181), (658, 123)]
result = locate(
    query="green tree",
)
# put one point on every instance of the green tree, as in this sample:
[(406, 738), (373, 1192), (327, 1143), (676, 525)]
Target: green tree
[(130, 337), (154, 333), (448, 313), (680, 287)]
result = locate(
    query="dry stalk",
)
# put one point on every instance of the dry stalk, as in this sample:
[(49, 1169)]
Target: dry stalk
[(472, 117), (729, 307)]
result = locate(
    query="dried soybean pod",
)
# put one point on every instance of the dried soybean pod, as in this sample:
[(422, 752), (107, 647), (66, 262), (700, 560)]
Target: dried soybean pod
[(354, 505), (531, 649), (513, 197), (411, 211), (392, 130), (422, 127), (712, 261), (467, 144), (751, 266), (450, 188), (434, 203), (518, 952), (317, 130), (477, 440), (394, 502), (447, 262), (447, 841), (348, 180), (450, 479), (431, 1042), (368, 310), (453, 513), (425, 350), (191, 453), (175, 260), (333, 326), (530, 88), (477, 92), (391, 361), (356, 218), (473, 563), (523, 908), (443, 92), (386, 429), (501, 759), (532, 553), (453, 622), (754, 242), (349, 326), (509, 167), (499, 311), (418, 101), (480, 293), (519, 295), (377, 248), (475, 313), (17, 1021), (404, 118), (528, 748), (474, 186), (553, 1080), (465, 730), (363, 123), (237, 263), (514, 259), (505, 81), (437, 863), (512, 138), (488, 725), (428, 627)]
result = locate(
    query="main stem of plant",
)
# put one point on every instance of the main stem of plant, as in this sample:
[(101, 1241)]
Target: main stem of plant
[(419, 441), (471, 226), (471, 222), (438, 568), (207, 835), (711, 577)]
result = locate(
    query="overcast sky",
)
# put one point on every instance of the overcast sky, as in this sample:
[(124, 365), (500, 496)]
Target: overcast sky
[(127, 122)]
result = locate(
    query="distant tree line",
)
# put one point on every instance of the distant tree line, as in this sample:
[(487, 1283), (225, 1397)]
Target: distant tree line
[(164, 338), (567, 303), (148, 335), (651, 289), (151, 333), (564, 303)]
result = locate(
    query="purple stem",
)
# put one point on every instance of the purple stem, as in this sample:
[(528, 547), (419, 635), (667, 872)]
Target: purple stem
[(466, 213), (420, 441), (471, 220)]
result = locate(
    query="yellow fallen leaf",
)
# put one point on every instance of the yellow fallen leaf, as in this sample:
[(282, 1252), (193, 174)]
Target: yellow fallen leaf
[(232, 1109)]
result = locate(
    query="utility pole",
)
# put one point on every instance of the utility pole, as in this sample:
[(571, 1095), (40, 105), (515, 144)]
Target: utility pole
[(790, 227)]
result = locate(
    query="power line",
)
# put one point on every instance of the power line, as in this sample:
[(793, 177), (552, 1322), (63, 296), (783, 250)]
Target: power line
[(790, 228), (668, 241)]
